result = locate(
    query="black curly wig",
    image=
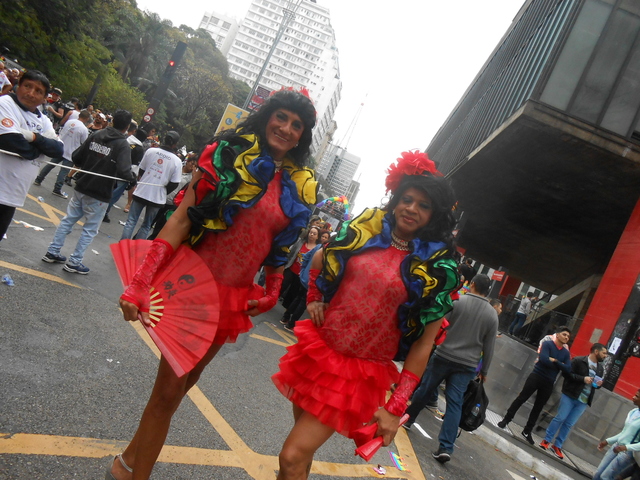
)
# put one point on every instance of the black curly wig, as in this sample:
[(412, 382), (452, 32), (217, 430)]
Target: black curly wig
[(289, 100), (442, 222)]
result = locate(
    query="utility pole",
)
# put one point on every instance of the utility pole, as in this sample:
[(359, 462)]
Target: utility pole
[(288, 14)]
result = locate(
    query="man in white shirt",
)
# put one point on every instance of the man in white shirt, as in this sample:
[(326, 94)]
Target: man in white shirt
[(523, 311), (73, 134), (160, 173), (26, 137)]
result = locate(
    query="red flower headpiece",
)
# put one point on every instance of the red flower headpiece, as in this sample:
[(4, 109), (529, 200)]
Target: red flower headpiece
[(411, 163), (301, 90)]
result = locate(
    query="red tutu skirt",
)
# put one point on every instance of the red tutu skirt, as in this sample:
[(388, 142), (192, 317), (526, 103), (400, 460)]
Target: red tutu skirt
[(233, 306), (342, 392)]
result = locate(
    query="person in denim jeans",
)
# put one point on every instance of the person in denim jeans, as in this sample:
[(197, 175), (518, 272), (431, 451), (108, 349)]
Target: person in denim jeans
[(578, 390), (107, 153), (159, 174), (619, 459), (470, 337)]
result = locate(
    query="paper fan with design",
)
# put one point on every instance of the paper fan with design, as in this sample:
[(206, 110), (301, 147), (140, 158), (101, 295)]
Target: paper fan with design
[(184, 308)]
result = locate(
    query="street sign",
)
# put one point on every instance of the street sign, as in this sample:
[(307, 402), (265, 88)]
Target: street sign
[(497, 276), (151, 111), (147, 118)]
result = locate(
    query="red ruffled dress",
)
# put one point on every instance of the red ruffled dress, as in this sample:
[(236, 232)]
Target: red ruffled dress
[(341, 371), (235, 255)]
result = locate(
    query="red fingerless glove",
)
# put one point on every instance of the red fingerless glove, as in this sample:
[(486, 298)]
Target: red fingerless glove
[(397, 404), (137, 292), (313, 294), (273, 283)]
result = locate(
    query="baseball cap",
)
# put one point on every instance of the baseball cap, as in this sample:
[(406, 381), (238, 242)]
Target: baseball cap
[(172, 137)]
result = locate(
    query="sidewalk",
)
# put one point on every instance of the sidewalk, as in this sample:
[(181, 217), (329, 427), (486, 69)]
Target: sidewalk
[(509, 441)]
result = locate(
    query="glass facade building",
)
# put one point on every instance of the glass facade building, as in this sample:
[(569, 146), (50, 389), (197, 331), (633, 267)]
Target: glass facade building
[(581, 57)]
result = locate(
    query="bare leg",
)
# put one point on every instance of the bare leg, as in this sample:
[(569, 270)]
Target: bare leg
[(297, 411), (167, 393), (306, 436)]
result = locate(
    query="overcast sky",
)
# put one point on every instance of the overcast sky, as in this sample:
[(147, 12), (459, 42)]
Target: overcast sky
[(409, 65)]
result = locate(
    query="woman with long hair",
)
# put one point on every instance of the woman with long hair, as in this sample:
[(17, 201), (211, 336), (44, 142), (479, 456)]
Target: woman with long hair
[(377, 292), (291, 286), (249, 180), (298, 305)]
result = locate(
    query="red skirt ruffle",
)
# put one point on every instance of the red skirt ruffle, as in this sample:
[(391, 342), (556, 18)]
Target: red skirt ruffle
[(342, 392), (233, 305)]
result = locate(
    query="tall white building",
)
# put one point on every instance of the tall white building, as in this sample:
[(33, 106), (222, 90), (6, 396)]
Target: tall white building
[(222, 29), (338, 168), (306, 55)]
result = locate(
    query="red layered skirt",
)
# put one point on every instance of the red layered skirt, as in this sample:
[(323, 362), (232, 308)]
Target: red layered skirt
[(342, 392)]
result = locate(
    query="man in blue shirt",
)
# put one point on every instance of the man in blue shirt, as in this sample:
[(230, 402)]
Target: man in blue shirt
[(553, 358)]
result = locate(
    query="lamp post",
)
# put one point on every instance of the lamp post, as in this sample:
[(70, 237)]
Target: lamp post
[(288, 14)]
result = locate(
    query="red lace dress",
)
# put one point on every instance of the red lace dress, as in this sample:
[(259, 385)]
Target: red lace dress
[(234, 257), (341, 371)]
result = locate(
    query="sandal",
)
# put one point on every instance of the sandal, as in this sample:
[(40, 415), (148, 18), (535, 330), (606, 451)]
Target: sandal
[(109, 476)]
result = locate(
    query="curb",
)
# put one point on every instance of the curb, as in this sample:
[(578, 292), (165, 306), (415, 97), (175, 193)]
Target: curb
[(521, 456)]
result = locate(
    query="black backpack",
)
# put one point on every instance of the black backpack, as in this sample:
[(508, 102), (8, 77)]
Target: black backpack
[(474, 406)]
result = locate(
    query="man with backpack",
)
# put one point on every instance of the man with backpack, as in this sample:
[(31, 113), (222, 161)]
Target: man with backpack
[(470, 336), (106, 154)]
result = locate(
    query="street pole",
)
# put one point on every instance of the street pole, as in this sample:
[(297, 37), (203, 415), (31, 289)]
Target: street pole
[(288, 14)]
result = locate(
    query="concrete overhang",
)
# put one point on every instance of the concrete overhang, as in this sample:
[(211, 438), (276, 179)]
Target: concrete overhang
[(547, 197)]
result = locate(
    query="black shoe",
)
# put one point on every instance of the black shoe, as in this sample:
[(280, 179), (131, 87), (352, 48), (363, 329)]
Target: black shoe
[(441, 455), (106, 219), (285, 319), (60, 194), (527, 436), (67, 181), (52, 258), (502, 423), (37, 182)]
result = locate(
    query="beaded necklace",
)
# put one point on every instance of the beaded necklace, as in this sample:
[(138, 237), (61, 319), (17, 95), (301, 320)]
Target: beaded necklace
[(399, 243)]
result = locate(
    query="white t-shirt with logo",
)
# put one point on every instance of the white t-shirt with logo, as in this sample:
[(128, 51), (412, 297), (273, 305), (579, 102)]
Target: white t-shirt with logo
[(73, 134), (160, 168), (16, 173)]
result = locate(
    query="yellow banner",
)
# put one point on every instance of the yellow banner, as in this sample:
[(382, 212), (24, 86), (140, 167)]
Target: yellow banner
[(231, 117)]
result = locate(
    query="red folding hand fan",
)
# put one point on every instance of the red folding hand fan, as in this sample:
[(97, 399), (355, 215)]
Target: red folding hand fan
[(184, 309)]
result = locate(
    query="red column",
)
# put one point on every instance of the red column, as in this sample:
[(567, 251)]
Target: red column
[(510, 286), (610, 298)]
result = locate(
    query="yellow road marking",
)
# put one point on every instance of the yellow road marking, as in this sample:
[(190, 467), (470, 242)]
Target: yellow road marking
[(258, 466), (286, 336), (53, 214), (269, 340), (36, 273)]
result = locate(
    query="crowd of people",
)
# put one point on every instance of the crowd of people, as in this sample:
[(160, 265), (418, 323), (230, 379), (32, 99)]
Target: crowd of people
[(376, 291)]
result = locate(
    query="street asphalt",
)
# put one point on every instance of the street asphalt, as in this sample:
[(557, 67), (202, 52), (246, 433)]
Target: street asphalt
[(75, 378)]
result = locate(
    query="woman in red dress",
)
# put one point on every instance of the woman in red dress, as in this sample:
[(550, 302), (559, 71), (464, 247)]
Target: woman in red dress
[(250, 180), (377, 292)]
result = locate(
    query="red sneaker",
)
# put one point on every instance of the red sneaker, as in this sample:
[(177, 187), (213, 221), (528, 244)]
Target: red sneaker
[(544, 444), (557, 451)]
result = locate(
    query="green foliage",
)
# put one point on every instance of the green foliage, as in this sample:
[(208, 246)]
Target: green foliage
[(76, 42), (115, 94)]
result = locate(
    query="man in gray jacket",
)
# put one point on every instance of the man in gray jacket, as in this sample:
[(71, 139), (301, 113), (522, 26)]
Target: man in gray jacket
[(471, 336)]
